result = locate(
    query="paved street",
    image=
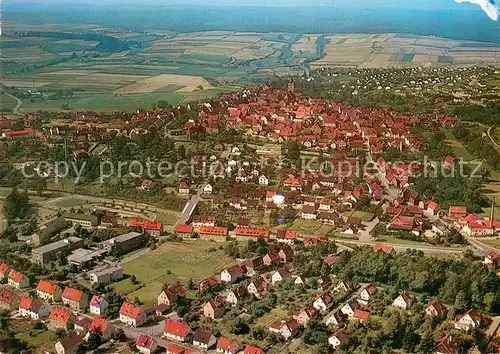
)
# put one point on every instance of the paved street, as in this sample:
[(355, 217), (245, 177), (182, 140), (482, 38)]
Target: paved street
[(190, 206)]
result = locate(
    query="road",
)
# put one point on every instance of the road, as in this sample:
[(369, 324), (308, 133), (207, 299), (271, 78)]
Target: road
[(15, 111), (495, 144), (402, 247), (190, 206)]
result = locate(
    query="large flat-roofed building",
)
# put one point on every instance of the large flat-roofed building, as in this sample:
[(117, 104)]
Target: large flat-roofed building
[(82, 257), (83, 220), (44, 254), (106, 274), (48, 230), (125, 243)]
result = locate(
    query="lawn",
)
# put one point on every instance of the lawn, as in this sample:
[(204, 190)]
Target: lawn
[(493, 242), (310, 227), (168, 218), (171, 262), (40, 340), (69, 203), (363, 215), (7, 103)]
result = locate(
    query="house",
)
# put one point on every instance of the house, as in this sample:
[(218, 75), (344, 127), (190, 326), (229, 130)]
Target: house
[(173, 348), (455, 212), (299, 280), (146, 184), (253, 264), (295, 184), (432, 208), (403, 301), (4, 271), (183, 230), (384, 248), (60, 318), (8, 299), (207, 283), (361, 315), (435, 308), (263, 180), (227, 346), (168, 294), (98, 305), (286, 254), (491, 259), (204, 339), (308, 212), (213, 233), (145, 344), (280, 274), (69, 344), (286, 328), (183, 187), (102, 326), (18, 280), (232, 274), (257, 287), (468, 321), (349, 308), (254, 232), (272, 258), (213, 309), (153, 228), (327, 218), (323, 302), (208, 189), (404, 223), (48, 291), (106, 274), (343, 286), (448, 161), (132, 315), (338, 339), (82, 326), (334, 318), (33, 308), (176, 330), (286, 236), (366, 294), (446, 345), (270, 195), (250, 349), (74, 298), (304, 315), (324, 282), (234, 296)]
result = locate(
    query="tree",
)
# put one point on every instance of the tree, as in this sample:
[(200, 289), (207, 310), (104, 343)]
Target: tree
[(16, 205), (462, 301)]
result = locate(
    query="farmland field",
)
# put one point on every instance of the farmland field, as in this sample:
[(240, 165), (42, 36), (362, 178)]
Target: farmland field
[(176, 64), (171, 262)]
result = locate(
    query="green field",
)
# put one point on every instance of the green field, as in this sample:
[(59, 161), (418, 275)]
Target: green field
[(310, 227), (39, 340), (7, 103), (170, 262)]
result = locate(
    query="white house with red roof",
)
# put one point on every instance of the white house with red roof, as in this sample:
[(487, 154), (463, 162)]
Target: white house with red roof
[(232, 274), (146, 344), (102, 326), (227, 346), (98, 305), (323, 302), (168, 294), (76, 299), (33, 308), (403, 301), (491, 259), (183, 187), (48, 290), (338, 339), (176, 330), (132, 315), (286, 328), (18, 280), (4, 270), (251, 349), (470, 320), (60, 318)]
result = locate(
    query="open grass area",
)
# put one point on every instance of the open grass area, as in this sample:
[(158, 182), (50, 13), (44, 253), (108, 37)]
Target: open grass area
[(363, 215), (171, 262), (7, 103), (40, 340), (490, 241), (168, 219), (310, 227), (457, 147)]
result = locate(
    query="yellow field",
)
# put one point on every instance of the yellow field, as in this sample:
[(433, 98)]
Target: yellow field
[(154, 83), (247, 53), (306, 44)]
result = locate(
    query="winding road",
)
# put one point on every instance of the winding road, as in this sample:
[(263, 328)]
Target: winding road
[(495, 144), (15, 111)]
